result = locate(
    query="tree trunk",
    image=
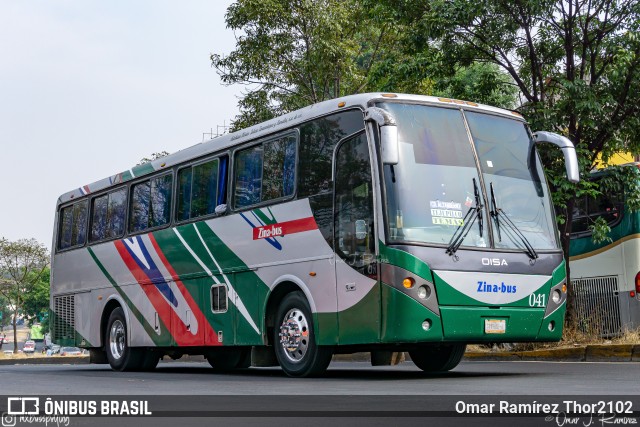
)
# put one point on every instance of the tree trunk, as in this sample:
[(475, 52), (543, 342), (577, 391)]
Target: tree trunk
[(565, 239), (15, 331)]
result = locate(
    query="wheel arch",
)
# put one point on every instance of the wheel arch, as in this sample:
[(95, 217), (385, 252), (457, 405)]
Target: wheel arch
[(112, 303), (282, 286)]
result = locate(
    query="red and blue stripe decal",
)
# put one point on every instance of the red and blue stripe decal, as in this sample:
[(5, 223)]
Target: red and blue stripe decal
[(171, 306)]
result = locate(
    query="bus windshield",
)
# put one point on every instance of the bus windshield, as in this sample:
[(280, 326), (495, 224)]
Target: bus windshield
[(436, 183)]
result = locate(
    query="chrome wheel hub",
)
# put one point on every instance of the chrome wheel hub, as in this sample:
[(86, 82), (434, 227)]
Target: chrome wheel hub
[(117, 339), (294, 335)]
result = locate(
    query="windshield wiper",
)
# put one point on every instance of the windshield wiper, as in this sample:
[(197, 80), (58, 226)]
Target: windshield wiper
[(468, 220), (497, 213)]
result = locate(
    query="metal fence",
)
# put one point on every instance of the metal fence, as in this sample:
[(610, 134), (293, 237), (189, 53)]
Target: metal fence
[(597, 305)]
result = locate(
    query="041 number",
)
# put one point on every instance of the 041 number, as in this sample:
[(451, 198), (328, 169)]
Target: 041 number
[(537, 300)]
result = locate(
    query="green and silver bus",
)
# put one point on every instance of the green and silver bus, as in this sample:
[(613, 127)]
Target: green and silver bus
[(371, 223), (606, 275)]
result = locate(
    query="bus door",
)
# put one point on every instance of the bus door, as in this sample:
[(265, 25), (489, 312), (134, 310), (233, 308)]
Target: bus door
[(358, 292)]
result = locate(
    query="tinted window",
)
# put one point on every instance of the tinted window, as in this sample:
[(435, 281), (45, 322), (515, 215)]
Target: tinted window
[(265, 172), (355, 235), (197, 190), (151, 203), (318, 139), (109, 215), (586, 210), (73, 228)]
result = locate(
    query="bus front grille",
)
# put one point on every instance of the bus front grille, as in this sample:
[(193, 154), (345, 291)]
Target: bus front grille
[(64, 319), (597, 305)]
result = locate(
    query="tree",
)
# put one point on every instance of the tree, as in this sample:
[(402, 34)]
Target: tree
[(22, 265), (154, 156), (576, 64), (36, 302), (293, 53)]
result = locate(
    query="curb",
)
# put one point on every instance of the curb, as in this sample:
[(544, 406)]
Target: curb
[(55, 360), (588, 353)]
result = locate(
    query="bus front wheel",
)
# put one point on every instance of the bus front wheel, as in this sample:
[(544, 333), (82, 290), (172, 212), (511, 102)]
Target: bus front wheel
[(121, 357), (294, 339), (437, 358)]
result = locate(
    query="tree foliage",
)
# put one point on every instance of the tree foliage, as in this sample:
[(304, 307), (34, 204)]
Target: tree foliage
[(292, 53), (22, 265)]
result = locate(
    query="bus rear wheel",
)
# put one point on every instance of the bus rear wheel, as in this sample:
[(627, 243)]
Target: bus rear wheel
[(294, 339), (437, 358), (121, 357)]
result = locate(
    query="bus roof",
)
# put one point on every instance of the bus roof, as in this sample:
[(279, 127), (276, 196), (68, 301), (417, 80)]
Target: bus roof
[(264, 129)]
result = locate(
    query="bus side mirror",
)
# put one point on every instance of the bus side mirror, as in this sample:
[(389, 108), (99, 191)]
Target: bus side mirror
[(568, 150), (388, 134)]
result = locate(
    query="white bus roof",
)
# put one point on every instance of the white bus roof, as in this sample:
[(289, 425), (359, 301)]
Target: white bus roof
[(266, 128)]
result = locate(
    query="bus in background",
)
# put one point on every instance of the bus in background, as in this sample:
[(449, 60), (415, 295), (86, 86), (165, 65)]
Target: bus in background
[(36, 334), (606, 275), (374, 222)]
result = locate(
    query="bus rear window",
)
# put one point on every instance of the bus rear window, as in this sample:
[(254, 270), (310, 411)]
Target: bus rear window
[(73, 225)]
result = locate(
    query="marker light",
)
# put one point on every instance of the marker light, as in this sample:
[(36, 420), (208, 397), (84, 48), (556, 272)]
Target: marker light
[(426, 325), (341, 104), (408, 282), (564, 288), (389, 95), (552, 326), (556, 296), (638, 283)]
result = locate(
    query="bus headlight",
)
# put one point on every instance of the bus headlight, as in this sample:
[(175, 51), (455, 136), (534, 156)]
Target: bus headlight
[(424, 292), (556, 296)]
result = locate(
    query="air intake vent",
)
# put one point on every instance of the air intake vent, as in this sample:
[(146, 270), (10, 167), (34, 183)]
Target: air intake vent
[(597, 305), (64, 319)]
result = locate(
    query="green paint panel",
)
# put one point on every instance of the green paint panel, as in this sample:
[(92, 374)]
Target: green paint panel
[(143, 169), (468, 323), (326, 325), (402, 318), (404, 260), (557, 317), (629, 225), (359, 324), (250, 289)]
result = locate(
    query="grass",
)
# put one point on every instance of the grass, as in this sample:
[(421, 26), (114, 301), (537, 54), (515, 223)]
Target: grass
[(572, 336)]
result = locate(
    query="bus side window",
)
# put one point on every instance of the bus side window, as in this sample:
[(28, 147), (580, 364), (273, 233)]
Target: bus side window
[(265, 172), (198, 190), (150, 203), (108, 215)]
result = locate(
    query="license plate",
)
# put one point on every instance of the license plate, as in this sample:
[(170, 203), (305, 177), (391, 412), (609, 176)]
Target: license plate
[(495, 326)]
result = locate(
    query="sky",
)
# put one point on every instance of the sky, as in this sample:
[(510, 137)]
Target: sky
[(90, 87)]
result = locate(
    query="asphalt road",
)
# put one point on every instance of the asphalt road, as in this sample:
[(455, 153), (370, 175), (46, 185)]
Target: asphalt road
[(350, 394), (342, 378)]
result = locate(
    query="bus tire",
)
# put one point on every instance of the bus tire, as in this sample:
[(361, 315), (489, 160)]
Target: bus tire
[(437, 358), (294, 339), (121, 357), (226, 359)]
